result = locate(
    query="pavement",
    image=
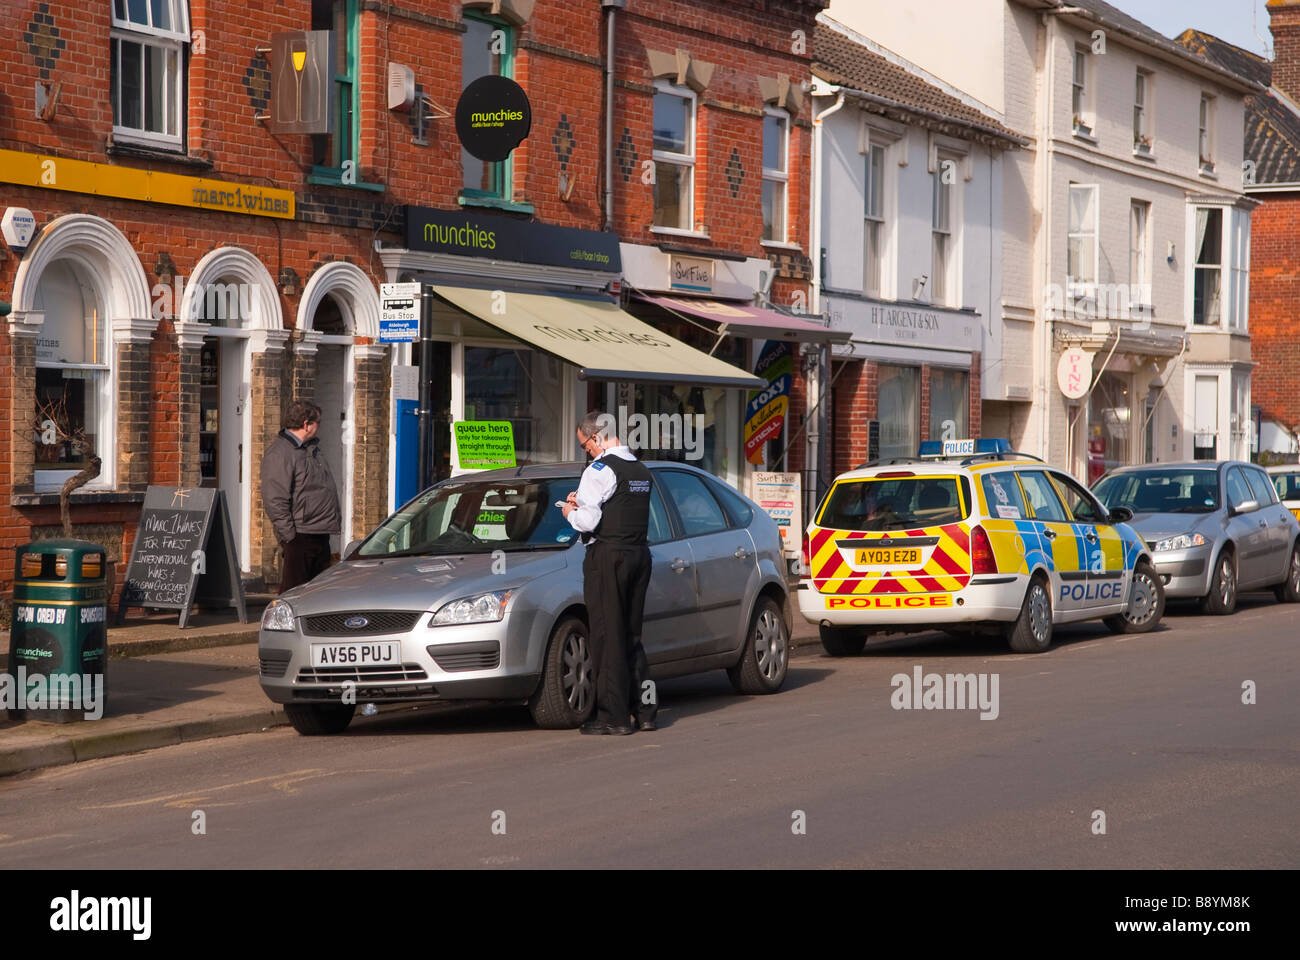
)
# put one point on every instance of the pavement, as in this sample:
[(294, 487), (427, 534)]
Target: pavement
[(167, 686)]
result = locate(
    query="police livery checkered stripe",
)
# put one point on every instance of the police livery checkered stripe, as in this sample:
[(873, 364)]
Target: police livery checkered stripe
[(947, 570)]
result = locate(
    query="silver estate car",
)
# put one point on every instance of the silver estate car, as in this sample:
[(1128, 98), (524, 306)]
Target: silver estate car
[(473, 591), (1215, 529)]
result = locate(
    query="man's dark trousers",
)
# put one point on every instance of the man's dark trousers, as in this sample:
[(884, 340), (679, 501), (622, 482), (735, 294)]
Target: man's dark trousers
[(305, 556), (615, 578)]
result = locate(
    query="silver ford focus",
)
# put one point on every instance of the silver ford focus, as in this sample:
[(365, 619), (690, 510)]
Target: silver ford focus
[(1215, 528), (473, 591)]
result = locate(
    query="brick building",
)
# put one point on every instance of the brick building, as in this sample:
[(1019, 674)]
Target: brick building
[(1272, 177), (197, 263)]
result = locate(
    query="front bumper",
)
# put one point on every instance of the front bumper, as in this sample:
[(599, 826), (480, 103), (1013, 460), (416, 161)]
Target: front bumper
[(1185, 573), (469, 662), (995, 598)]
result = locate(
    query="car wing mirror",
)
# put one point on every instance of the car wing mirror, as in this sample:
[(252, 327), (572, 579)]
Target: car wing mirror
[(1246, 506), (1120, 515), (351, 549)]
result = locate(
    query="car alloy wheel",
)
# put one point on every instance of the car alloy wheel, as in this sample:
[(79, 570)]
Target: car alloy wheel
[(1293, 575), (578, 690), (770, 644), (1227, 581), (1040, 613)]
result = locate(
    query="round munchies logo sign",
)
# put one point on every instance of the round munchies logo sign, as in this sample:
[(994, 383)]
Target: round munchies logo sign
[(493, 117)]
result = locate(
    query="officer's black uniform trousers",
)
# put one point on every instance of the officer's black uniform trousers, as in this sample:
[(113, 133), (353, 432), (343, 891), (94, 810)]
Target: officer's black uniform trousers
[(615, 577)]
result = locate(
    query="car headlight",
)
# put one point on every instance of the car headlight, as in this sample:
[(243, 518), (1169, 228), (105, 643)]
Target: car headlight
[(278, 615), (1180, 542), (484, 608)]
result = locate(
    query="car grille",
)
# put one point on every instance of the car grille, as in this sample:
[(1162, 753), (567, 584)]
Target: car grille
[(379, 623), (370, 673), (477, 655), (273, 663)]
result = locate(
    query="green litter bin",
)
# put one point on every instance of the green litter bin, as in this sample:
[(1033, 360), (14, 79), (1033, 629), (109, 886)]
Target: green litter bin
[(58, 641)]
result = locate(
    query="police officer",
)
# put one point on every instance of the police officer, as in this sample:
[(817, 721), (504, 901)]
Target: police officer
[(611, 509)]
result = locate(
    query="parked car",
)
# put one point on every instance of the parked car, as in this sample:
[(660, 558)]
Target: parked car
[(473, 590), (972, 541), (1286, 481), (1215, 528)]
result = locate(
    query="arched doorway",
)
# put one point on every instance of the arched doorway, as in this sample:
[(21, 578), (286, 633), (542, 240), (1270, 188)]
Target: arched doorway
[(229, 300)]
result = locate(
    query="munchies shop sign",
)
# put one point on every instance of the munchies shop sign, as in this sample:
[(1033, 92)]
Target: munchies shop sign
[(766, 411), (501, 238)]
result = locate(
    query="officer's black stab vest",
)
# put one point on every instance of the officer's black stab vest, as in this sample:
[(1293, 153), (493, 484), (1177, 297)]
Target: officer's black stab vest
[(625, 516)]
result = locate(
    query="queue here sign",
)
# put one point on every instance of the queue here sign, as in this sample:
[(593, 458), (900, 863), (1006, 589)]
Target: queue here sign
[(485, 444)]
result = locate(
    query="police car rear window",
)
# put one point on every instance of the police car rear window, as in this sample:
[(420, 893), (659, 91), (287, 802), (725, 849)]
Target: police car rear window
[(1287, 485), (896, 503)]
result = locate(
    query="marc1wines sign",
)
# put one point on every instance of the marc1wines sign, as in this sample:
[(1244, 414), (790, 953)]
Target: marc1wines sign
[(493, 117)]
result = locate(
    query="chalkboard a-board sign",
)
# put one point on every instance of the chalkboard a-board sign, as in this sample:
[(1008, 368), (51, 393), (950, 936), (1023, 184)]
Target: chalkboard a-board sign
[(184, 552)]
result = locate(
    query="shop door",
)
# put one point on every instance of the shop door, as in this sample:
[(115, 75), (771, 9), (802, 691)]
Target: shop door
[(334, 397), (223, 413)]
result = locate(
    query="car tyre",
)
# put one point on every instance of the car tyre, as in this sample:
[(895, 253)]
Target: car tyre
[(1222, 598), (319, 719), (565, 697), (1288, 591), (1032, 630), (842, 641), (763, 665), (1148, 597)]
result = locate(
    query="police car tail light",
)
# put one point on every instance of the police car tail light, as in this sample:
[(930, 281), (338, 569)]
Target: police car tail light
[(805, 557), (982, 559)]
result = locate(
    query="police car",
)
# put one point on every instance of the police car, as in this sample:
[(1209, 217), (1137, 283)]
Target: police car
[(970, 535), (1286, 480)]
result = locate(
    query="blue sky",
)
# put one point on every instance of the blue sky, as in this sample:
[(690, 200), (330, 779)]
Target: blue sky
[(1236, 21)]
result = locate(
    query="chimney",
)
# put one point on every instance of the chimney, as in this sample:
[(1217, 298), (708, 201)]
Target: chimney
[(1284, 23)]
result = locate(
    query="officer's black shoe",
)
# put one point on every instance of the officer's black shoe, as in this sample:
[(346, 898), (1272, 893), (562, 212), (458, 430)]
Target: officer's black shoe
[(620, 730), (594, 727), (646, 726)]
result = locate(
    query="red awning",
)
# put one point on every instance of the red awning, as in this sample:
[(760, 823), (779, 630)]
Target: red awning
[(743, 320)]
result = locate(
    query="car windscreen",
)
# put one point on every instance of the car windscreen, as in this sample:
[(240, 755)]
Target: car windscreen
[(895, 503), (477, 516), (1287, 485), (1171, 490)]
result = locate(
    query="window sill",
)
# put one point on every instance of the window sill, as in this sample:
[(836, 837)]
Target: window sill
[(333, 177), (118, 148), (1208, 173), (494, 203), (781, 245), (1146, 155), (679, 232), (31, 498), (1084, 134)]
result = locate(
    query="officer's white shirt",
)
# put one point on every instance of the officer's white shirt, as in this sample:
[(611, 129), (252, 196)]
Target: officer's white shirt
[(596, 486)]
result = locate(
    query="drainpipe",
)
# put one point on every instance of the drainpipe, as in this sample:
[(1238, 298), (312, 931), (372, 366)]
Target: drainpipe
[(610, 7), (817, 371), (1046, 103)]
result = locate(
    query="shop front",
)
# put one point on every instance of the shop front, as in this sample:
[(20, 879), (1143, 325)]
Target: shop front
[(910, 372), (708, 302), (526, 328)]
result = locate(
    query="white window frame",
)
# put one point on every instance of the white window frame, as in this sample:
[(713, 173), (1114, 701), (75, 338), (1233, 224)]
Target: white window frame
[(686, 160), (1238, 249), (1233, 429), (945, 278), (1223, 266), (1205, 138), (1080, 112), (1139, 254), (878, 222), (1076, 286), (780, 176), (1143, 135), (147, 35)]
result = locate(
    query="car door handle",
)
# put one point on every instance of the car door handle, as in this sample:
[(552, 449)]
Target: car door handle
[(678, 565), (1050, 534), (1263, 523), (741, 553), (1090, 537)]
